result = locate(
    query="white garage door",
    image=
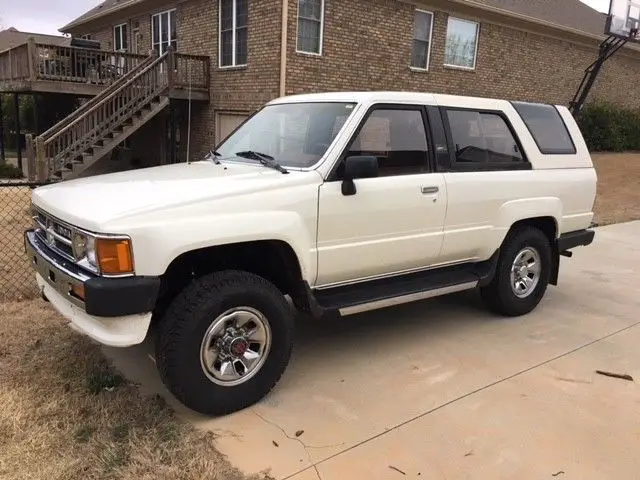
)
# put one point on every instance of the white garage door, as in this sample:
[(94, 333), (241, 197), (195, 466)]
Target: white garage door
[(227, 123)]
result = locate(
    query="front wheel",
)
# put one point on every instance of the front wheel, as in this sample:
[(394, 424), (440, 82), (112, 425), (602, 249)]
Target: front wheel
[(224, 342), (522, 274)]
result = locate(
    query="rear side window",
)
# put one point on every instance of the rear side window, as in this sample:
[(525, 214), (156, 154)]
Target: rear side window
[(482, 138), (547, 128)]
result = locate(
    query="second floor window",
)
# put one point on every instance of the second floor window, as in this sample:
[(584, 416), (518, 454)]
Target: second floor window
[(164, 31), (310, 23), (462, 43), (234, 15), (422, 28), (120, 38)]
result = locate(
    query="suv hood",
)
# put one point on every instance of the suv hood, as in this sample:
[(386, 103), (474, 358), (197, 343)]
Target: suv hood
[(91, 202)]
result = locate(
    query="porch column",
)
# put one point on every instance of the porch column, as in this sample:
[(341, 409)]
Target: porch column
[(3, 158), (16, 104)]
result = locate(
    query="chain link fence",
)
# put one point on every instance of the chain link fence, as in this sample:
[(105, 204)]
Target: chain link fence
[(17, 280)]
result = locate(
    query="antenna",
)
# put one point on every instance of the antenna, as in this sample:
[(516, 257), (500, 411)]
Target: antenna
[(189, 116)]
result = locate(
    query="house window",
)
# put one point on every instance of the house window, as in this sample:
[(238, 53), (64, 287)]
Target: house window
[(234, 15), (462, 43), (310, 23), (422, 29), (120, 38), (163, 31)]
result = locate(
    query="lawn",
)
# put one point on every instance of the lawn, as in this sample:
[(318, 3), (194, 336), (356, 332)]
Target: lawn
[(618, 197), (67, 414)]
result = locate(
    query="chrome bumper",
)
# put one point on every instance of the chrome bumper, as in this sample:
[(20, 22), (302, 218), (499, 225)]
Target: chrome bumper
[(58, 272)]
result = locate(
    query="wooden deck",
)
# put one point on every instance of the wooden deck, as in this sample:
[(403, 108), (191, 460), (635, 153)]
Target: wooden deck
[(40, 68)]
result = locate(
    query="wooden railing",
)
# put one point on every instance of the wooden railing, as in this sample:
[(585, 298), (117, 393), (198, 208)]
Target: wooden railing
[(112, 110), (191, 71), (98, 98), (14, 63), (73, 64), (39, 61)]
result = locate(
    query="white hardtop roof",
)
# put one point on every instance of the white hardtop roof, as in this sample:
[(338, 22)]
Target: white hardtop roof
[(397, 97)]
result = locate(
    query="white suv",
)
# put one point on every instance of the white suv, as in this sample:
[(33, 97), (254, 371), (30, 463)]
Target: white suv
[(342, 201)]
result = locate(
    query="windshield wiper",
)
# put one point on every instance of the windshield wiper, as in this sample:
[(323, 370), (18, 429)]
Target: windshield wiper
[(264, 159), (213, 156)]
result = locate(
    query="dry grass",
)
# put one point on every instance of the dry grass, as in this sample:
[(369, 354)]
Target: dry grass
[(618, 197), (67, 415)]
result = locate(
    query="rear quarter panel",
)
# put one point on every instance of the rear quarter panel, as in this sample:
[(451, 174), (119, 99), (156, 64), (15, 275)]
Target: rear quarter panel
[(482, 206)]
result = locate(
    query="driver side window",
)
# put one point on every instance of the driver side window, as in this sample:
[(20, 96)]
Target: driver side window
[(396, 137)]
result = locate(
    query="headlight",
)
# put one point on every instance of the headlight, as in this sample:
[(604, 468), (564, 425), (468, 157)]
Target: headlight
[(91, 251), (79, 245), (111, 256)]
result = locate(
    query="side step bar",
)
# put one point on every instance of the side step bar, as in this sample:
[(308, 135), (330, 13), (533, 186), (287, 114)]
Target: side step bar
[(380, 293)]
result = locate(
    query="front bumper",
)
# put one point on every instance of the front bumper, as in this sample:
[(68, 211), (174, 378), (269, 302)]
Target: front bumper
[(114, 311)]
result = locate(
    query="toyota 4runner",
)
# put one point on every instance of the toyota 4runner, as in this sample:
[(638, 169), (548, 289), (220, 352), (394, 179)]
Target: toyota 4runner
[(340, 201)]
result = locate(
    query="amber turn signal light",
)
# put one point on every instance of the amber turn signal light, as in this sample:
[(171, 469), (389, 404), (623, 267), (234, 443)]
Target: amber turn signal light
[(114, 256), (78, 291)]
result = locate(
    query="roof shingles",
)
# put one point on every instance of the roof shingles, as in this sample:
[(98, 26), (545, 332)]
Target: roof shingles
[(566, 13)]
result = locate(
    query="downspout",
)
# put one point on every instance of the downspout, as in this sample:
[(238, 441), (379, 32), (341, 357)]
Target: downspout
[(283, 48)]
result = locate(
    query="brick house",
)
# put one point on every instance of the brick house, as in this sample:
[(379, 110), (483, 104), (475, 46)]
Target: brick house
[(533, 50)]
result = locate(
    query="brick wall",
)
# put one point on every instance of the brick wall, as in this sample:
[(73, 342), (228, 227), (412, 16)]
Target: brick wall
[(240, 89), (367, 46)]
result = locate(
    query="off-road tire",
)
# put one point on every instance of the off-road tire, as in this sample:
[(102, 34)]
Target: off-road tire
[(183, 326), (498, 295)]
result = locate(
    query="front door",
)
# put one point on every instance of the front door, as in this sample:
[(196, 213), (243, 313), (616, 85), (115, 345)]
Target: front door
[(394, 222)]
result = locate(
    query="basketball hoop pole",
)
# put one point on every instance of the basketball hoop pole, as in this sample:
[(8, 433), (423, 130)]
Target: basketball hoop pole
[(607, 49)]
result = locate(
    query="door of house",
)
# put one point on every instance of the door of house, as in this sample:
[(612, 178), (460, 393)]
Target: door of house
[(135, 41), (163, 31), (227, 123), (120, 44)]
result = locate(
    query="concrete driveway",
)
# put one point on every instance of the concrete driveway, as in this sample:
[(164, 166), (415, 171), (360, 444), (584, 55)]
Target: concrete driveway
[(442, 389)]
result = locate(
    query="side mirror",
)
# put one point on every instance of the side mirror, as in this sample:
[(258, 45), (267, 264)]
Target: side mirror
[(357, 167)]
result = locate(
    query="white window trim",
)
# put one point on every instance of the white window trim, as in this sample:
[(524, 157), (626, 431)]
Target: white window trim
[(303, 52), (118, 28), (475, 53), (234, 29), (159, 43), (421, 69)]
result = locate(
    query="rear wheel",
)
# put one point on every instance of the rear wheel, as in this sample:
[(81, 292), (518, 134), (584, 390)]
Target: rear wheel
[(224, 342), (522, 274)]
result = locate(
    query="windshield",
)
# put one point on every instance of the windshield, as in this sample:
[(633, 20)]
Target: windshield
[(294, 134)]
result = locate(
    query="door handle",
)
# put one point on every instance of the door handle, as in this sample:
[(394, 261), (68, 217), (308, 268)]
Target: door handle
[(429, 190)]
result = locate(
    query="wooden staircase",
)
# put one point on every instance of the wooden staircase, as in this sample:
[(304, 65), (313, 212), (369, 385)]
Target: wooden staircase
[(95, 129)]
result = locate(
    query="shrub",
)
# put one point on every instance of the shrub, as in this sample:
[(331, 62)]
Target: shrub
[(609, 128), (9, 171)]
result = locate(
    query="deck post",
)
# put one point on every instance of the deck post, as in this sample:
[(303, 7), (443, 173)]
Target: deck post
[(31, 158), (16, 104), (171, 66), (31, 58), (42, 168), (3, 158)]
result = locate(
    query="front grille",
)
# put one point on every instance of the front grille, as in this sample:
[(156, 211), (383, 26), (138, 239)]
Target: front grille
[(55, 234)]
